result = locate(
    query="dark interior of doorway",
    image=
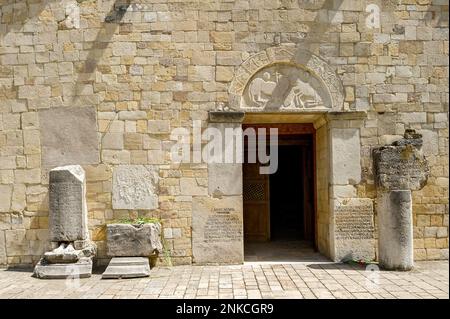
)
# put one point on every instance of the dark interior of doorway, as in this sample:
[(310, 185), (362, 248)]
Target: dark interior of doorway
[(290, 204), (286, 198), (291, 195)]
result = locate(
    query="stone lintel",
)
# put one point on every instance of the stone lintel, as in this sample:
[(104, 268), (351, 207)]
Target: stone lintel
[(344, 116), (226, 116)]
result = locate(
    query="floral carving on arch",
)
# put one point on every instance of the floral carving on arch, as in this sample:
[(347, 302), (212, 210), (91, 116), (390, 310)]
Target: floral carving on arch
[(286, 78)]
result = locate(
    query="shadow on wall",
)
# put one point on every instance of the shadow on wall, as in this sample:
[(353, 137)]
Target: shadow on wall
[(102, 40), (15, 14), (19, 16)]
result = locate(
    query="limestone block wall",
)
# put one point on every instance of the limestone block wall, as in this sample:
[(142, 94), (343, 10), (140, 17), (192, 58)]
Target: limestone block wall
[(108, 88)]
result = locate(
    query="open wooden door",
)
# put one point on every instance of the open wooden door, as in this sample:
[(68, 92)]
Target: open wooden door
[(256, 203)]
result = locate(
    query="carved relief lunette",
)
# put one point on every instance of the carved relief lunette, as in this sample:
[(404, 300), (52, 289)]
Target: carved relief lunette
[(283, 87), (329, 94)]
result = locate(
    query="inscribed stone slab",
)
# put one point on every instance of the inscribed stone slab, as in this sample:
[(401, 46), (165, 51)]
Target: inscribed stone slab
[(401, 166), (354, 229), (67, 204), (217, 230)]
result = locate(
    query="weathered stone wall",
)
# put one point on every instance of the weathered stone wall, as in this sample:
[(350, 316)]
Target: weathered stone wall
[(122, 80)]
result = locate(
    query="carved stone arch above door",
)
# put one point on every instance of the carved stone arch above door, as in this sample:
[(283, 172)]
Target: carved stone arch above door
[(286, 78)]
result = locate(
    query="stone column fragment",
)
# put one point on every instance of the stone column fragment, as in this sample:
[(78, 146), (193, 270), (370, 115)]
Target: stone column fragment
[(399, 169), (67, 204), (72, 252), (395, 230)]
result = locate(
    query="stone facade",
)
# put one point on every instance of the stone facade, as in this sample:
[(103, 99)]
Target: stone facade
[(114, 84)]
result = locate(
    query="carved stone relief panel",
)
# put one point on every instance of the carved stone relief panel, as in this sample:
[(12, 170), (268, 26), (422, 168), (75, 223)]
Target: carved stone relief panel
[(285, 87), (135, 187), (330, 88)]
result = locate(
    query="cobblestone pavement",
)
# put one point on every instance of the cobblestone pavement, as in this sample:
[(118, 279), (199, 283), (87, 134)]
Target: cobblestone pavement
[(251, 280)]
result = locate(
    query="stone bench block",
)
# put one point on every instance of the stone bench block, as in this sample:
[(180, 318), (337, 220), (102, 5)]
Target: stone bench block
[(126, 240)]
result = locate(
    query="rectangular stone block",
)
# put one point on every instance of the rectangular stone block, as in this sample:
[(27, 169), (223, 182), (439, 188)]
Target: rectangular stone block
[(225, 170), (5, 197), (69, 136), (346, 156), (126, 240), (135, 187), (217, 230), (225, 179), (67, 204)]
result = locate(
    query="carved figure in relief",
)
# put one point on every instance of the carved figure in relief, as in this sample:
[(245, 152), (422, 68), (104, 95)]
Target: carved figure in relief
[(134, 186), (301, 94), (261, 89), (284, 87)]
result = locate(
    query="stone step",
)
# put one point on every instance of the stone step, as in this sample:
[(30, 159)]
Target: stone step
[(127, 267), (120, 261)]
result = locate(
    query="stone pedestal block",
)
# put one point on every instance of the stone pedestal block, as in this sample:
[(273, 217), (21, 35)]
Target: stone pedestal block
[(125, 240), (67, 204), (395, 230), (80, 269)]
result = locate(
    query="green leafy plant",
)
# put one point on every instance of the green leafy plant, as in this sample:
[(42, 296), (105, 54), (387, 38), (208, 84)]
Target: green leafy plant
[(166, 252), (360, 262), (137, 221)]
